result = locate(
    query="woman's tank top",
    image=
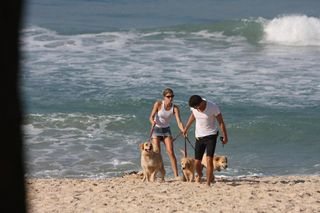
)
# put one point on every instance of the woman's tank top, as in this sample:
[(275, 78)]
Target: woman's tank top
[(163, 116)]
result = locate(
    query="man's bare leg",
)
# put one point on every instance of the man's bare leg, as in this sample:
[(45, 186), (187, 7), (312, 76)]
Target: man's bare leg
[(209, 169), (199, 170)]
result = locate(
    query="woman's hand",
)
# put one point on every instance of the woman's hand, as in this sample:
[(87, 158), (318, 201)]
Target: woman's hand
[(185, 132), (153, 123)]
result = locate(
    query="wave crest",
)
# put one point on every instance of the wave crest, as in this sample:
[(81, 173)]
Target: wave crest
[(293, 30)]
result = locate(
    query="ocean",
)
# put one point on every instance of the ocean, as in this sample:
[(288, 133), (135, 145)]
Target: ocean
[(92, 69)]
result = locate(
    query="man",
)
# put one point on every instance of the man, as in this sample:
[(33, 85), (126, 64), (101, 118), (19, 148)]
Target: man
[(205, 113)]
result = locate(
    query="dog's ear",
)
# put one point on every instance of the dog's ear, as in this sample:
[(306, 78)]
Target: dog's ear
[(141, 146)]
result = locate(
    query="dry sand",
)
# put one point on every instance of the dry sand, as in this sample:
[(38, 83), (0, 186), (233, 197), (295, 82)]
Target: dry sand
[(130, 194)]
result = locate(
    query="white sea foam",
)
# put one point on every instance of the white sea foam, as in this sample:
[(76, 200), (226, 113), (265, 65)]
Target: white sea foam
[(131, 59), (296, 30)]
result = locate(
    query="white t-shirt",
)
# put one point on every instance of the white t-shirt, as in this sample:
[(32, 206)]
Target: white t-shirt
[(205, 121)]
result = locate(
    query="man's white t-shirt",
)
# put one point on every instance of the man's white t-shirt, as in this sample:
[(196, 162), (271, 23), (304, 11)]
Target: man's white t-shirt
[(205, 121)]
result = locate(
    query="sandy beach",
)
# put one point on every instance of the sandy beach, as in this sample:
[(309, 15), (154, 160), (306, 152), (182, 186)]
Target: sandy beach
[(130, 194)]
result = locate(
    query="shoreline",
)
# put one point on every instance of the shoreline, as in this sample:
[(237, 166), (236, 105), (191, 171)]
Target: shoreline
[(130, 194)]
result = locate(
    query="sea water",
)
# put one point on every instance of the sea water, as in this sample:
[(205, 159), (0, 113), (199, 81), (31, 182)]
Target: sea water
[(91, 71)]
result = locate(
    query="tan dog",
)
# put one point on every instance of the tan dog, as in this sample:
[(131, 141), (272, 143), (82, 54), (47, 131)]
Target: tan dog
[(219, 162), (188, 167), (151, 162)]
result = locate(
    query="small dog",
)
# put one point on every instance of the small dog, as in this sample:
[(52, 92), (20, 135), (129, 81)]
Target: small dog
[(219, 162), (188, 167), (151, 162)]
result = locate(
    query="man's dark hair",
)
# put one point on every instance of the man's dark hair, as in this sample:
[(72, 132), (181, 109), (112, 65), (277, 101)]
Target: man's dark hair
[(194, 100)]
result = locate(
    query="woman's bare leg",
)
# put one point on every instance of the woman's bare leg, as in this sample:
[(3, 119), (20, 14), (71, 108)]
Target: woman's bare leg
[(169, 147), (156, 144)]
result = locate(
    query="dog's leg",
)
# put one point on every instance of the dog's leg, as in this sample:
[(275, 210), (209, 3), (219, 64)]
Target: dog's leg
[(153, 176), (144, 176), (147, 176), (185, 178), (150, 177), (189, 177), (192, 177), (163, 172)]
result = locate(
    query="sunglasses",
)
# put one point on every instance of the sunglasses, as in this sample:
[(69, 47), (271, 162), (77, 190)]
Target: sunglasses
[(170, 96)]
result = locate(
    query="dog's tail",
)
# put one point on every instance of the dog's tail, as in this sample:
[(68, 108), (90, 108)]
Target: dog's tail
[(183, 153)]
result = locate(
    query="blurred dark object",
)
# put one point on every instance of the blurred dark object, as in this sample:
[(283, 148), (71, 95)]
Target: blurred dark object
[(11, 155)]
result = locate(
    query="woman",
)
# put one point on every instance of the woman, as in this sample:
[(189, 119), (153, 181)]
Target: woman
[(160, 117)]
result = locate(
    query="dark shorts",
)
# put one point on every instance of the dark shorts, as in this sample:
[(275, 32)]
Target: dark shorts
[(161, 132), (208, 142)]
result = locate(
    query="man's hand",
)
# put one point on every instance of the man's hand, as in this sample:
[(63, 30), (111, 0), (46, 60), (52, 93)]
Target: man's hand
[(185, 133), (223, 140)]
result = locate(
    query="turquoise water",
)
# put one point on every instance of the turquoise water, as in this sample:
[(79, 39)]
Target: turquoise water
[(91, 71)]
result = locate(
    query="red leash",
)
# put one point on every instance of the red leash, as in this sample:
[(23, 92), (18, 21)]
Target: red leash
[(151, 131)]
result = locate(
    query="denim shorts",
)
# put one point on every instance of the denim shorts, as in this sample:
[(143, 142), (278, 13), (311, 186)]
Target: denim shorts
[(161, 132)]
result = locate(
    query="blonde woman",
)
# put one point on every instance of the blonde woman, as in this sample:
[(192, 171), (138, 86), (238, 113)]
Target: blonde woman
[(161, 114)]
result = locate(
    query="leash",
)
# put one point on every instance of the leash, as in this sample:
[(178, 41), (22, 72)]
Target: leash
[(185, 147), (151, 131), (175, 138), (187, 139), (221, 139)]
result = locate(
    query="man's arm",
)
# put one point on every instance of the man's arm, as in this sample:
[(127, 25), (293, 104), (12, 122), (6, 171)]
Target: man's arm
[(223, 128)]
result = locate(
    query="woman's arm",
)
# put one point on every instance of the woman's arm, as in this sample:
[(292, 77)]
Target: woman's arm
[(176, 111), (190, 121), (153, 113)]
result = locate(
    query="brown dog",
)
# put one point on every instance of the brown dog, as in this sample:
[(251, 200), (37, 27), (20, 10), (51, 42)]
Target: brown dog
[(188, 167), (151, 162), (219, 162)]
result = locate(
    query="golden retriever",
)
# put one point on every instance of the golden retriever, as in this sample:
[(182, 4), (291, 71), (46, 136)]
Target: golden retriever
[(219, 162), (188, 167), (151, 162)]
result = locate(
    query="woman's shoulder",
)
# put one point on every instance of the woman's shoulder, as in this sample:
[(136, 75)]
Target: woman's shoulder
[(157, 103), (175, 106)]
